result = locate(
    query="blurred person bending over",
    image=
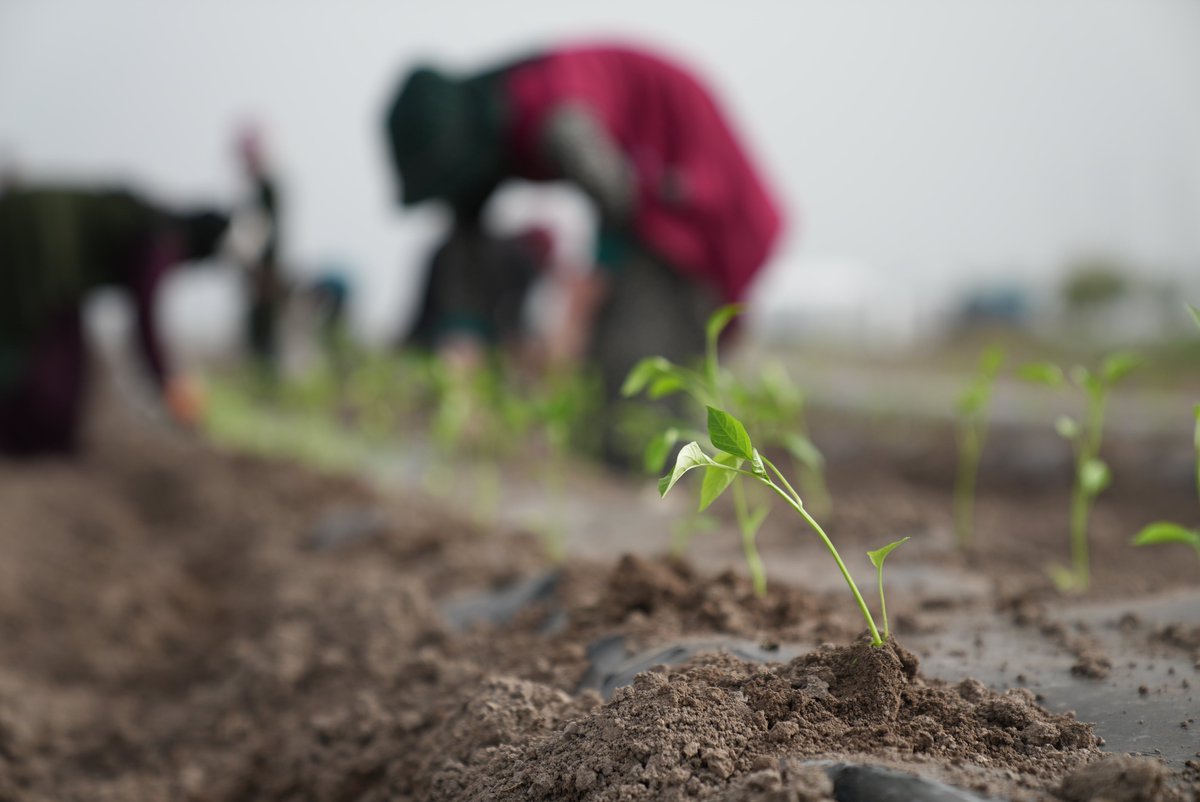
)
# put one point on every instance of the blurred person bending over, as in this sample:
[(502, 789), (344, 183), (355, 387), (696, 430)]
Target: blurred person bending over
[(686, 222), (56, 245)]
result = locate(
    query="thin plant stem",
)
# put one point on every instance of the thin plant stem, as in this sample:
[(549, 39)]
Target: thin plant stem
[(964, 485), (798, 506), (758, 574), (1079, 543), (883, 603), (783, 480)]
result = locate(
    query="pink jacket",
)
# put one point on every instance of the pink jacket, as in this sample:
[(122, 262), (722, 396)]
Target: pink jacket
[(665, 121)]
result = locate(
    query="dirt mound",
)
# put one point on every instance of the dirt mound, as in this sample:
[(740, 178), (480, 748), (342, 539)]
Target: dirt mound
[(690, 733)]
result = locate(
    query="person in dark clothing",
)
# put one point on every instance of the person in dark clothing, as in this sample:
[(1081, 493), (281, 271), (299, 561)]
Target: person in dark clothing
[(686, 221), (56, 245), (477, 285)]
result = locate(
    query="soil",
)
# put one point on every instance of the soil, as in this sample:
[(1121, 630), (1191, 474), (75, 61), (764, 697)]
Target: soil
[(178, 623)]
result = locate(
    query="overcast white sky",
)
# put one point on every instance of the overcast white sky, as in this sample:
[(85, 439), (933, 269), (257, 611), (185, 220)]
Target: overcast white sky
[(937, 142)]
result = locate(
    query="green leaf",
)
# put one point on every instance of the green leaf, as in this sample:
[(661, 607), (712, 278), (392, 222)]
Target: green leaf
[(719, 319), (1117, 366), (659, 448), (879, 555), (665, 385), (1046, 373), (1166, 532), (1094, 476), (690, 456), (728, 434), (1195, 314), (718, 479), (1067, 427), (990, 361), (804, 451), (644, 372)]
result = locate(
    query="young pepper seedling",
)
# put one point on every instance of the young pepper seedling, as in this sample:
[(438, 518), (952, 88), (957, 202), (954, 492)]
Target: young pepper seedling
[(739, 459), (1092, 474), (972, 429)]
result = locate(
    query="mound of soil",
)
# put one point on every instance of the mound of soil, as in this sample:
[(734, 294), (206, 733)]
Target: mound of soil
[(719, 725)]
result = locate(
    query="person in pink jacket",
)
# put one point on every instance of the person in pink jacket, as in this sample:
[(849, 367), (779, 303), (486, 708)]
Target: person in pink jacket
[(686, 219)]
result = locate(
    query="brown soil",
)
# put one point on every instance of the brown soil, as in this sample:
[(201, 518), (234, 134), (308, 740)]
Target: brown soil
[(167, 631)]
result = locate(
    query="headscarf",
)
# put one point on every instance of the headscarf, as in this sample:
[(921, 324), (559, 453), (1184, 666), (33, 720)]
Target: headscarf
[(446, 135)]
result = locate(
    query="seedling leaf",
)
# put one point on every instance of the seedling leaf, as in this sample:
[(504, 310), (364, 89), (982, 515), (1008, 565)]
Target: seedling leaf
[(1094, 476), (665, 385), (1046, 373), (1067, 427), (720, 319), (1117, 366), (718, 479), (690, 456), (804, 451), (728, 434), (991, 360), (879, 555), (1166, 532), (659, 448), (644, 372), (877, 558)]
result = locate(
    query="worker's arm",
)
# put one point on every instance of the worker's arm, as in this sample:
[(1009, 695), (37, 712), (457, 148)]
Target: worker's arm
[(576, 143), (181, 395)]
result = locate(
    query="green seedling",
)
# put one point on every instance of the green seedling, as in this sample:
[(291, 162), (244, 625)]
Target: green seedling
[(659, 377), (1092, 474), (736, 460), (775, 408), (877, 557), (1167, 531), (736, 463), (972, 426)]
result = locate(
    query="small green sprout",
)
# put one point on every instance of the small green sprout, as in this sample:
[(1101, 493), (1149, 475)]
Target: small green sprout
[(1166, 531), (877, 558), (776, 409), (972, 429), (659, 377), (739, 459), (1092, 475)]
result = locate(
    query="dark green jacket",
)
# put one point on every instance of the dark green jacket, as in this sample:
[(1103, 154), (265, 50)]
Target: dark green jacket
[(56, 245)]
